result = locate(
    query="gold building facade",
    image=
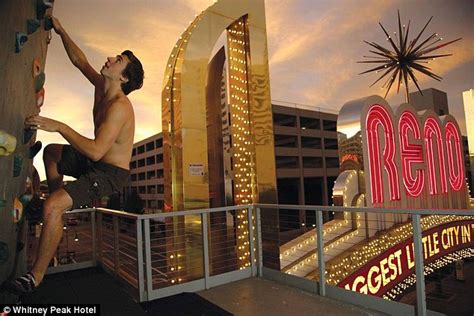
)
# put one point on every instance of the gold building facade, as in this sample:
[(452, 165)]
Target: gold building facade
[(220, 153)]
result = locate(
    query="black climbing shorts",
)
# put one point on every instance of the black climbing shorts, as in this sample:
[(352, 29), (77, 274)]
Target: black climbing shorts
[(94, 179)]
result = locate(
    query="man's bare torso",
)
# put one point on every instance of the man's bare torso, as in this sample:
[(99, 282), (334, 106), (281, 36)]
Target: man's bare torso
[(120, 152)]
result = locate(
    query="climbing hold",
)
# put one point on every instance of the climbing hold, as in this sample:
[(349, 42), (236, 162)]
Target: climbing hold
[(36, 68), (17, 210), (20, 40), (17, 166), (40, 98), (48, 23), (3, 252), (7, 143), (41, 7), (32, 25), (3, 203), (35, 149), (27, 134), (39, 81), (25, 199)]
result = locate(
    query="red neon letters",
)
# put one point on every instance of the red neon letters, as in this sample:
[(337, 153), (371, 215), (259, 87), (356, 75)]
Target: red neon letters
[(419, 151), (411, 153), (378, 116)]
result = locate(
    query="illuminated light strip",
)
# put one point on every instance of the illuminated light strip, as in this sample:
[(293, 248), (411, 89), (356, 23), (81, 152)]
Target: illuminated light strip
[(453, 139), (432, 127), (411, 154), (379, 116), (340, 268)]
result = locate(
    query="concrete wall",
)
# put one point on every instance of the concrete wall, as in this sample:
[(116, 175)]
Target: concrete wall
[(17, 101)]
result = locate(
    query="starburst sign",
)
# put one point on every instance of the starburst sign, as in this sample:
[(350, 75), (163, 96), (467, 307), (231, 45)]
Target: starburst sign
[(405, 59)]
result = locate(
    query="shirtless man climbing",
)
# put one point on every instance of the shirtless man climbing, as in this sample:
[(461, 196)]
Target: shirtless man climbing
[(100, 165)]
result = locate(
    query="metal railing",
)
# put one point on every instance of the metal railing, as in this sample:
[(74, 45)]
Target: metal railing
[(163, 254)]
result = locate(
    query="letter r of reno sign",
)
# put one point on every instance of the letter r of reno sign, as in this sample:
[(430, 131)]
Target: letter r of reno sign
[(409, 159)]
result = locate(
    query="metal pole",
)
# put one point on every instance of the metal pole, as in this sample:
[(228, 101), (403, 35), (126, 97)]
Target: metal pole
[(420, 276), (94, 244), (205, 248), (251, 240), (259, 243), (142, 294), (149, 277), (115, 221), (321, 266)]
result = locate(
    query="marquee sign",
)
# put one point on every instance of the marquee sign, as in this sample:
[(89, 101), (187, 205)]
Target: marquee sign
[(411, 159), (380, 274)]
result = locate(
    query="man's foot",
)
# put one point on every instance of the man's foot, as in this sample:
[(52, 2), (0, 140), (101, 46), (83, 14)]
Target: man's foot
[(23, 285)]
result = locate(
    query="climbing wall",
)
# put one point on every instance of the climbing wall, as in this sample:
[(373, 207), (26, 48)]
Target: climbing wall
[(24, 38)]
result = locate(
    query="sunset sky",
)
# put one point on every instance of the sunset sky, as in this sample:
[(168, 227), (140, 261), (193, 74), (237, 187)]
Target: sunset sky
[(313, 49)]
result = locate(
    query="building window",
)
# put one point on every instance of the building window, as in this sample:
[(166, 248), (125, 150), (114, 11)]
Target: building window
[(332, 162), (312, 162), (151, 189), (286, 141), (159, 143), (159, 158), (133, 164), (150, 146), (141, 163), (330, 143), (152, 204), (309, 123), (284, 120), (133, 177), (160, 188), (150, 175), (159, 174), (150, 160), (311, 142), (141, 176), (134, 152), (134, 189), (286, 162), (329, 125), (142, 190), (141, 149)]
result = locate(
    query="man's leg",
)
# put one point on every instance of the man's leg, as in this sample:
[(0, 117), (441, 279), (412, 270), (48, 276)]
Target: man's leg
[(53, 209), (51, 157)]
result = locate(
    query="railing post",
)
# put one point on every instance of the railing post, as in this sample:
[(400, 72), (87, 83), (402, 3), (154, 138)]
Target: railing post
[(259, 242), (99, 241), (321, 266), (93, 233), (115, 221), (149, 277), (142, 294), (205, 248), (419, 268), (251, 240)]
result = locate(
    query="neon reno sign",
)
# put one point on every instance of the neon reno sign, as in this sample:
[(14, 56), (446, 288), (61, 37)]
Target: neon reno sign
[(411, 159)]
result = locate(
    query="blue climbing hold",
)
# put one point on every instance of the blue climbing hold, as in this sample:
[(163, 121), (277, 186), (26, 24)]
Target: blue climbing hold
[(32, 25), (17, 165), (39, 81), (27, 134), (20, 40)]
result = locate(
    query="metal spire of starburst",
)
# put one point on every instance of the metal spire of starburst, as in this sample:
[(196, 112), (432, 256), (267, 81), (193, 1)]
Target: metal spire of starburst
[(405, 59)]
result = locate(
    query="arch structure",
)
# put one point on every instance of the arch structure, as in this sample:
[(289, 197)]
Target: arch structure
[(217, 120)]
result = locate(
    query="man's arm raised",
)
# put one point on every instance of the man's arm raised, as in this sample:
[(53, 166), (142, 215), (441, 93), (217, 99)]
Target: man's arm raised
[(77, 57), (106, 135)]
